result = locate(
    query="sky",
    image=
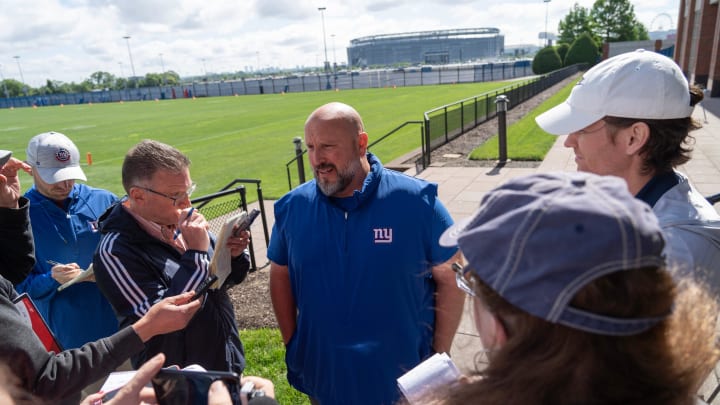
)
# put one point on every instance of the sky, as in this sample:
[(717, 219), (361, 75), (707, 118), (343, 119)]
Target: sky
[(67, 40)]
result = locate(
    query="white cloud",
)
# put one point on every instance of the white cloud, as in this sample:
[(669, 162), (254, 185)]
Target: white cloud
[(67, 40)]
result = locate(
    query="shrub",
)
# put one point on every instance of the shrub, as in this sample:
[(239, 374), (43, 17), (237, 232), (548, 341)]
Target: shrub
[(583, 50), (546, 60)]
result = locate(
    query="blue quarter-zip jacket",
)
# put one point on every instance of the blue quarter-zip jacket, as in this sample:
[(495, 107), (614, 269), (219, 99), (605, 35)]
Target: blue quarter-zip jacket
[(360, 272), (80, 313)]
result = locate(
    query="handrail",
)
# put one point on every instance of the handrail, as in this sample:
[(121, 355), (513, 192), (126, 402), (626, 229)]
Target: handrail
[(227, 190)]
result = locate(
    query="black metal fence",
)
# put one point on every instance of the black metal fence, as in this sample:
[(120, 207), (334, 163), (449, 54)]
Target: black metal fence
[(447, 122), (231, 199), (357, 79)]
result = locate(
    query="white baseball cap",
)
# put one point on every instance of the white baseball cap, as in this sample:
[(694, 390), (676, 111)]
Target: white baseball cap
[(55, 158), (639, 84), (4, 157)]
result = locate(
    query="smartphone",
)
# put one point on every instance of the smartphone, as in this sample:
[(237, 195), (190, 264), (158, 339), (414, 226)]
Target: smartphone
[(204, 286), (190, 387), (246, 222)]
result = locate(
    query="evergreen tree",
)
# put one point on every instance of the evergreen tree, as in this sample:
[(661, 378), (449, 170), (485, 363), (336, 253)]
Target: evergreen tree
[(576, 22), (615, 21), (583, 50), (546, 60)]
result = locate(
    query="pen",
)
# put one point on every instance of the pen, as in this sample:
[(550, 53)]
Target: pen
[(52, 262), (177, 231)]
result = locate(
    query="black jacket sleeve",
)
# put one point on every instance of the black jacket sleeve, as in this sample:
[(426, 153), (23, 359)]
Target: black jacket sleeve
[(17, 254)]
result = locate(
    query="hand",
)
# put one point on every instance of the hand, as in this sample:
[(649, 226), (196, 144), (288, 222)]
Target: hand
[(238, 244), (62, 273), (168, 315), (262, 384), (135, 391), (9, 182), (194, 230)]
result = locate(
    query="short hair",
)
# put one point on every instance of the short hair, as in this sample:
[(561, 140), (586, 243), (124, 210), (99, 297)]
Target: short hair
[(548, 363), (669, 143), (143, 160)]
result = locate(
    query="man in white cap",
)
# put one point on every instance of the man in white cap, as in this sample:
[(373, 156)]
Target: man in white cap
[(64, 218), (630, 116)]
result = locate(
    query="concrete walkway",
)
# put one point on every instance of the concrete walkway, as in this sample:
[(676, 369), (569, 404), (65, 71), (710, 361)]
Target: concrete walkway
[(462, 188)]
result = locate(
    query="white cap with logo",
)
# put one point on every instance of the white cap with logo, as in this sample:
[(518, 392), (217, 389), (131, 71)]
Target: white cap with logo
[(639, 84), (55, 158)]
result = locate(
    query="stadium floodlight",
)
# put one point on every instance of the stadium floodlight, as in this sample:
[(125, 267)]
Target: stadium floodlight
[(17, 59), (327, 63), (547, 37), (132, 65)]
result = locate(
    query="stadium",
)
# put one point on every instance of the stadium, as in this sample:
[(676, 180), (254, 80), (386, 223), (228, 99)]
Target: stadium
[(426, 47)]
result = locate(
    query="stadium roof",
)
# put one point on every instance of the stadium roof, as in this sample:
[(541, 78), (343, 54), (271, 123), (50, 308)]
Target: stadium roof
[(437, 34)]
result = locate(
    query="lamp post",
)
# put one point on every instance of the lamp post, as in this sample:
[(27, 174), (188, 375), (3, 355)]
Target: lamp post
[(327, 63), (132, 65), (22, 79), (547, 39), (17, 59), (162, 66)]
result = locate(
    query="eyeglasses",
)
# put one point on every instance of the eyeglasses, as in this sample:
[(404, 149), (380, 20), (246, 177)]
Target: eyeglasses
[(586, 131), (464, 284), (176, 197)]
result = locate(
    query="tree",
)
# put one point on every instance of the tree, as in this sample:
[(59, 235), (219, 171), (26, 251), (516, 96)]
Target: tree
[(562, 50), (583, 50), (575, 23), (615, 21), (13, 87), (102, 80), (546, 60)]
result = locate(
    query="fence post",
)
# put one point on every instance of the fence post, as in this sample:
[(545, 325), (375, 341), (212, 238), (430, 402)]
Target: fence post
[(298, 154), (502, 102)]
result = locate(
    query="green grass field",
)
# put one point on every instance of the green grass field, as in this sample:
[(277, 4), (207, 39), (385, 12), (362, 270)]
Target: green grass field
[(525, 139), (225, 137)]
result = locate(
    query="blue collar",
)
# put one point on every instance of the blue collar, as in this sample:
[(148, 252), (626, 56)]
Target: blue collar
[(656, 187)]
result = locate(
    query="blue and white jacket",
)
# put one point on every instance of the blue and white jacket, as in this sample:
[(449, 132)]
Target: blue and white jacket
[(78, 314), (135, 270)]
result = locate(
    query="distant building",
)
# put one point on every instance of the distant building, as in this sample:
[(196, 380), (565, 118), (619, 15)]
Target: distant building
[(427, 47), (698, 43)]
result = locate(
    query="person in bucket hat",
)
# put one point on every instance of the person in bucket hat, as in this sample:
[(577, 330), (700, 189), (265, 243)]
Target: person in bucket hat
[(572, 299), (630, 116)]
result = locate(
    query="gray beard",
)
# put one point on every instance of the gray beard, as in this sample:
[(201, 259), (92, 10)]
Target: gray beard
[(331, 188)]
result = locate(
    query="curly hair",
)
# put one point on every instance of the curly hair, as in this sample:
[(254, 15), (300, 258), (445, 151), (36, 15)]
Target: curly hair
[(547, 363), (669, 144)]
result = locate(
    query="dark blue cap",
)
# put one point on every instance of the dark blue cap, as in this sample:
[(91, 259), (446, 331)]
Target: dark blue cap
[(539, 239)]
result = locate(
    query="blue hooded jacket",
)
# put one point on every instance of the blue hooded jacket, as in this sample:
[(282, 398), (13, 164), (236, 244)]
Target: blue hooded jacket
[(80, 313)]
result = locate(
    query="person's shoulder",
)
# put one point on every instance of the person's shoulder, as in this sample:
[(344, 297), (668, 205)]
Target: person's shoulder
[(401, 180), (95, 192)]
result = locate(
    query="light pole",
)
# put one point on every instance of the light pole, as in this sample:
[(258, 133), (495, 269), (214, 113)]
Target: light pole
[(547, 39), (327, 63), (132, 65), (162, 66), (17, 59), (204, 68), (257, 53)]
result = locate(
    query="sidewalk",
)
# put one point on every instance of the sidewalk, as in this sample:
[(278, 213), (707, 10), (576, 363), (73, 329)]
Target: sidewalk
[(462, 188)]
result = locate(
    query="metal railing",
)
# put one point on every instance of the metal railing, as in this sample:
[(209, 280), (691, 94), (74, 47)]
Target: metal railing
[(217, 206), (447, 122), (300, 153)]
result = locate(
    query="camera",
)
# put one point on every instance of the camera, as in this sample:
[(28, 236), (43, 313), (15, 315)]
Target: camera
[(248, 392)]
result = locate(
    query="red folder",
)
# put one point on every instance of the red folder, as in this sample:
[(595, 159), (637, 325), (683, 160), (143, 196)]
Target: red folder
[(28, 310)]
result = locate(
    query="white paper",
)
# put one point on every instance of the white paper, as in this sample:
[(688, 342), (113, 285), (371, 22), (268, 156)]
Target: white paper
[(220, 262), (80, 277), (434, 373)]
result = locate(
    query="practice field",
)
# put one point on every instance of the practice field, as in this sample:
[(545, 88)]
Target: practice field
[(225, 137)]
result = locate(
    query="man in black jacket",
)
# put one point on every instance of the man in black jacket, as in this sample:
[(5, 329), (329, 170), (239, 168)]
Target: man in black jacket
[(155, 244), (59, 377)]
